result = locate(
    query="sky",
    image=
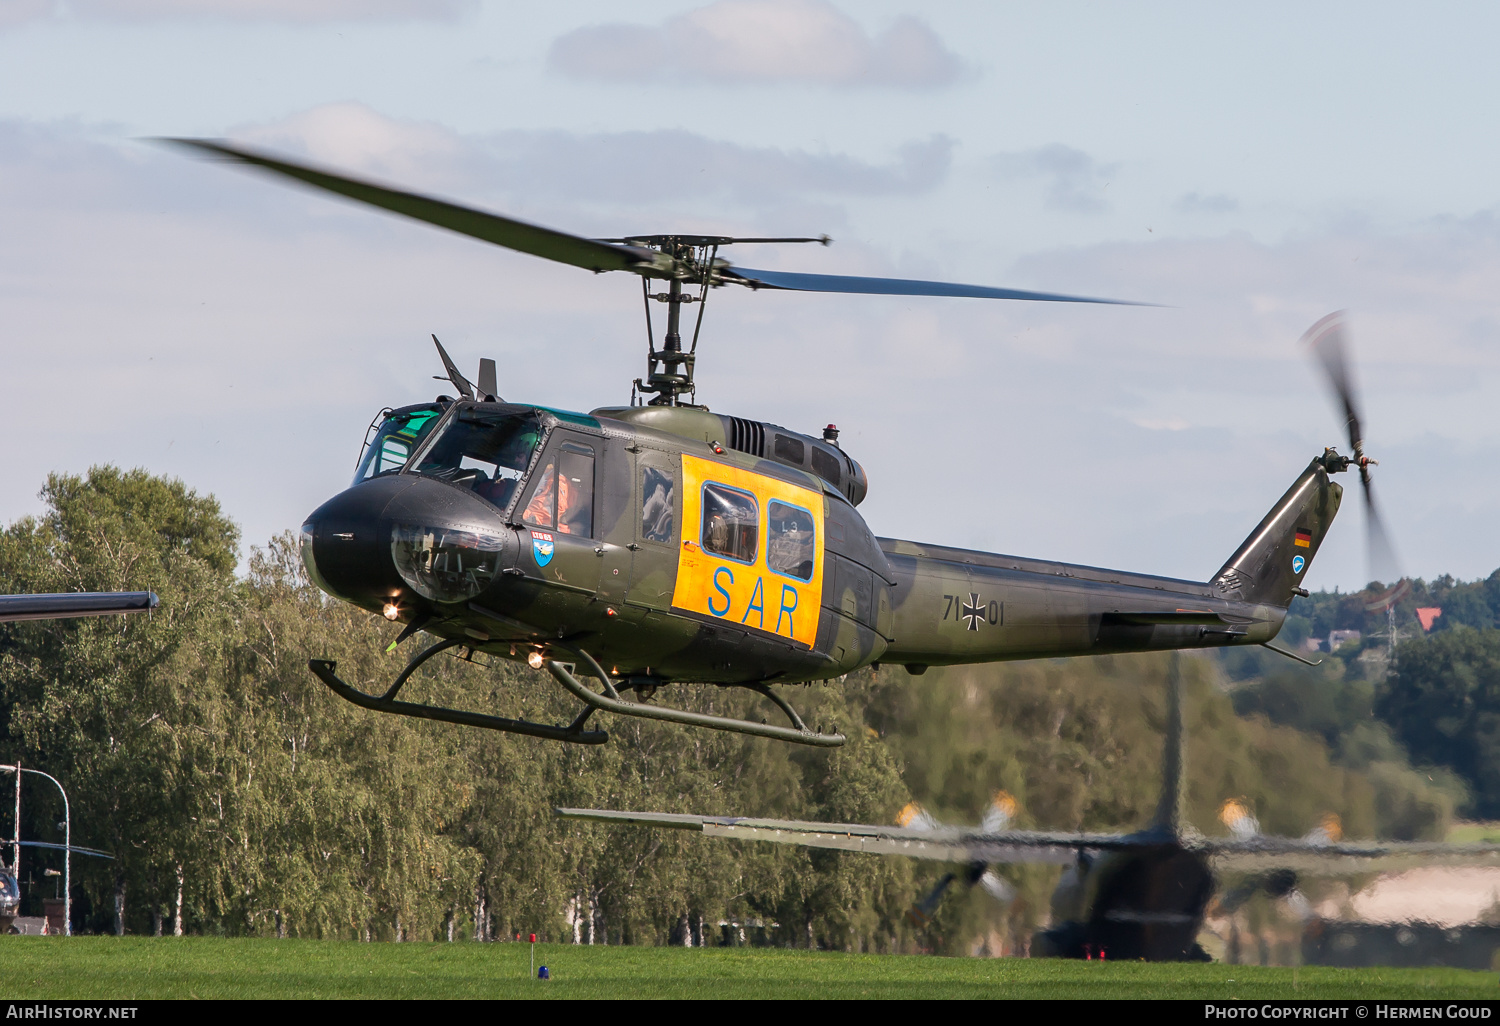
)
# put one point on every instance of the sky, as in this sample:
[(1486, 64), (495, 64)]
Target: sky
[(1249, 168)]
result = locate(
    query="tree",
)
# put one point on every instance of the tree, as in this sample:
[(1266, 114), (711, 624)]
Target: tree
[(116, 706), (1443, 703)]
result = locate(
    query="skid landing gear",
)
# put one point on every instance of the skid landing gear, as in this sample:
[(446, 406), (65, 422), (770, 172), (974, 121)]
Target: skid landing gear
[(574, 732)]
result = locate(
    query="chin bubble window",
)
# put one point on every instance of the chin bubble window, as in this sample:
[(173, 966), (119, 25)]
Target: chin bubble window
[(445, 565)]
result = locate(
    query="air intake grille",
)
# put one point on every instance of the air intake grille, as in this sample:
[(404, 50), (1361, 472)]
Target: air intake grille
[(747, 436)]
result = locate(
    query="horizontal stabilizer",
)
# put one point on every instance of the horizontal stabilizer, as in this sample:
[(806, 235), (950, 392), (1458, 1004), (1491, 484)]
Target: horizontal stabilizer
[(74, 603)]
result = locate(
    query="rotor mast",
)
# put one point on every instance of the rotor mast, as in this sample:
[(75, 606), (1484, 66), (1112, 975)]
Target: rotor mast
[(669, 370)]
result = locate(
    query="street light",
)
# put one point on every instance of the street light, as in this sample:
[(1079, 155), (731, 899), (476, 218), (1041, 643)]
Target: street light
[(67, 841)]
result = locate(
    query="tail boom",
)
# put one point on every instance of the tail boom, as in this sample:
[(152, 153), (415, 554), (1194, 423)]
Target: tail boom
[(959, 606)]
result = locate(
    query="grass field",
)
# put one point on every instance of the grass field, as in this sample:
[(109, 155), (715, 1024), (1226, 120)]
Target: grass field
[(199, 967), (1474, 833)]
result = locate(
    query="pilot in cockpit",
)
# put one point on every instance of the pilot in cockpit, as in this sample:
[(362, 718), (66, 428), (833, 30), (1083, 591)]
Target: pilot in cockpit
[(513, 455)]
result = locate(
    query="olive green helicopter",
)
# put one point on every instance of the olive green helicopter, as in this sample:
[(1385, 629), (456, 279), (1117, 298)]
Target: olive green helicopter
[(657, 542)]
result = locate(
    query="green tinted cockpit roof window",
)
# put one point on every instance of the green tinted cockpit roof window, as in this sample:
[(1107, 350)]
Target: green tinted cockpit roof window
[(581, 419)]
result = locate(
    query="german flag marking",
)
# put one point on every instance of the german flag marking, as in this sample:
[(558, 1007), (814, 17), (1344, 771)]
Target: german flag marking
[(1304, 539)]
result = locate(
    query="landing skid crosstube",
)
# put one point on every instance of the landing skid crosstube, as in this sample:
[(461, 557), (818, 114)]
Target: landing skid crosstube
[(609, 701)]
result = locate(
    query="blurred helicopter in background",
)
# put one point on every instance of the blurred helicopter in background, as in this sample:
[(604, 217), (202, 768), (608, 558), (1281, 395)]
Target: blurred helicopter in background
[(1139, 895)]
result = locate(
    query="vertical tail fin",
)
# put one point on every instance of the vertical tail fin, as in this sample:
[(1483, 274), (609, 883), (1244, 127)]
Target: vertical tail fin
[(1168, 818), (1269, 566)]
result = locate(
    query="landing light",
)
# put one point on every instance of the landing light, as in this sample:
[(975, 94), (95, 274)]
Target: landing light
[(535, 660), (391, 611)]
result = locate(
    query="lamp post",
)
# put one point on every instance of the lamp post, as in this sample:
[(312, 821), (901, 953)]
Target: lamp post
[(18, 769)]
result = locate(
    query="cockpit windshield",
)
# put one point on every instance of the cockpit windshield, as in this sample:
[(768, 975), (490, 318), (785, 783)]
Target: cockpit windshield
[(485, 451), (398, 437)]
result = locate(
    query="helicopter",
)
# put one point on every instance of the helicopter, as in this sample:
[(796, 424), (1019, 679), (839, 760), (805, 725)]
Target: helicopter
[(658, 542), (1138, 895)]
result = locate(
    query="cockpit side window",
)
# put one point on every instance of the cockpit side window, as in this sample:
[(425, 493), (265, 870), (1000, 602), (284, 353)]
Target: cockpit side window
[(563, 498), (541, 511), (484, 451), (397, 439)]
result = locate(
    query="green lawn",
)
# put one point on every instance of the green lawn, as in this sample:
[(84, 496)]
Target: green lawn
[(143, 967), (1474, 833)]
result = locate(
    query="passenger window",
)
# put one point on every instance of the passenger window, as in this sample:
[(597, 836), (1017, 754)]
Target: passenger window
[(789, 448), (564, 495), (731, 522), (658, 523), (789, 540)]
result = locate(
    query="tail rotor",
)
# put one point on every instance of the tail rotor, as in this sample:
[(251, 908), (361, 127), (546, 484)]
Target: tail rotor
[(1327, 341)]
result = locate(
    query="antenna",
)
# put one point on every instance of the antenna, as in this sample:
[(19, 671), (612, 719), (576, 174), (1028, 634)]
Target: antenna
[(459, 381)]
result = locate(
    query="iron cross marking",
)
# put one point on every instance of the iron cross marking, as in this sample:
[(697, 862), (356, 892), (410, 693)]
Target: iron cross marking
[(974, 611)]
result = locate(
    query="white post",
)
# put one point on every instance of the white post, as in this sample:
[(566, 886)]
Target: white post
[(67, 842), (15, 862)]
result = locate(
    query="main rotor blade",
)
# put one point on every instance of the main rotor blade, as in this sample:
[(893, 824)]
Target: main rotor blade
[(502, 231), (795, 282), (1326, 340)]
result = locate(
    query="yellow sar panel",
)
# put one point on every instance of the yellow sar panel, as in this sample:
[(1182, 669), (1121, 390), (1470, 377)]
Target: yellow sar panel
[(746, 590)]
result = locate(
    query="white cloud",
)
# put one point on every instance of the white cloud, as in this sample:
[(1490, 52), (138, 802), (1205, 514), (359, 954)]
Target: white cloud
[(1074, 180), (18, 12), (610, 167), (355, 137), (15, 12), (761, 41)]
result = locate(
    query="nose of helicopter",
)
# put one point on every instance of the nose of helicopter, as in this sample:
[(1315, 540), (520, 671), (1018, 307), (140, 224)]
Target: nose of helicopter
[(340, 542), (393, 542)]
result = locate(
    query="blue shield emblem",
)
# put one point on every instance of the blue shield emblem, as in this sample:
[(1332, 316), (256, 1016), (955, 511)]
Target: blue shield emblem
[(1297, 564), (542, 547)]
